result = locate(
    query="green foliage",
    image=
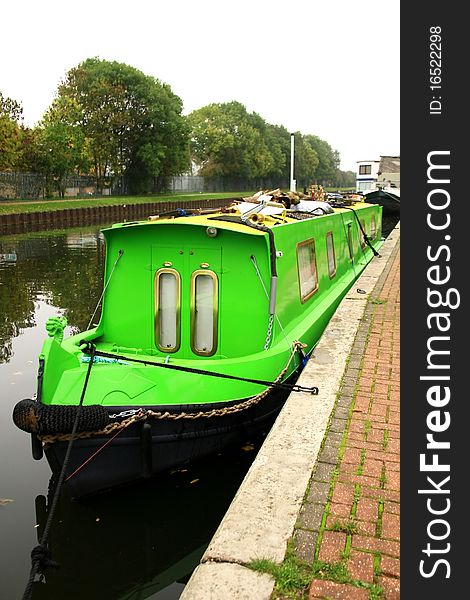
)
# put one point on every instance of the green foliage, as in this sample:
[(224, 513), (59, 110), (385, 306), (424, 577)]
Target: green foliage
[(294, 576), (10, 108), (27, 161), (345, 180), (228, 141), (132, 122), (59, 147), (10, 143), (112, 121), (10, 133), (278, 139), (306, 161), (327, 157), (348, 527)]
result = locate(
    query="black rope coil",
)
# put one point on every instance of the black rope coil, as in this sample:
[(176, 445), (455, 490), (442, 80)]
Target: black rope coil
[(43, 419)]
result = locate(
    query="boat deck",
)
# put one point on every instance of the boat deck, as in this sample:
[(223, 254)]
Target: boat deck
[(229, 219)]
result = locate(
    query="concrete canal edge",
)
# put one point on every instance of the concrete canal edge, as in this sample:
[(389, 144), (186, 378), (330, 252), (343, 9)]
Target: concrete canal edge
[(263, 513)]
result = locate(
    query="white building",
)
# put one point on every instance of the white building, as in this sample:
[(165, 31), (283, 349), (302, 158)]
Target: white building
[(378, 174), (367, 175)]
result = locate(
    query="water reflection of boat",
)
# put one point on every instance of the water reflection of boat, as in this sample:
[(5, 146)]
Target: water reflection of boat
[(149, 538), (205, 324), (82, 240), (9, 257)]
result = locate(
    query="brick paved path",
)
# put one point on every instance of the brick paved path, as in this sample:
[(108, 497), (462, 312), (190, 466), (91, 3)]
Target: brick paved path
[(350, 518)]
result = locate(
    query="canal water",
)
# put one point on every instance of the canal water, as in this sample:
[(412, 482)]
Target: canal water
[(140, 542)]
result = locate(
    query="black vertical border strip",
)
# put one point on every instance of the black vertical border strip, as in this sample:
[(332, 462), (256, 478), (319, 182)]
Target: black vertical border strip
[(422, 132)]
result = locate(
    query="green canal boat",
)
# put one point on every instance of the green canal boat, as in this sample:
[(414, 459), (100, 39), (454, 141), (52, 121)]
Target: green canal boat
[(207, 320)]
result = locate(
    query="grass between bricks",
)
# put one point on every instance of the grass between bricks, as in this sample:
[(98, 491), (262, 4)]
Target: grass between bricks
[(293, 576), (341, 451), (335, 473), (350, 528), (360, 468), (378, 527), (385, 442)]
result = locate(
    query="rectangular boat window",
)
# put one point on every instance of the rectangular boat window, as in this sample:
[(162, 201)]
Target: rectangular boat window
[(373, 228), (307, 269), (167, 309), (350, 242), (330, 250), (204, 312)]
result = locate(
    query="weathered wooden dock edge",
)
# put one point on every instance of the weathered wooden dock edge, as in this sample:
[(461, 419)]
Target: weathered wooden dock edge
[(261, 517)]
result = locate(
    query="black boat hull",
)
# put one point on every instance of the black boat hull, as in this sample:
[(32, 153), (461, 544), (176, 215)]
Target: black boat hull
[(147, 448), (389, 202)]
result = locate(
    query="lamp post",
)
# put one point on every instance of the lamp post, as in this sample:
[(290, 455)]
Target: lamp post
[(292, 180)]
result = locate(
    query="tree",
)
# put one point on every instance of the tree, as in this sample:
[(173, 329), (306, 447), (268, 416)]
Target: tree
[(10, 132), (305, 158), (59, 144), (327, 157), (11, 108), (306, 161), (133, 122), (278, 140), (345, 179), (228, 141)]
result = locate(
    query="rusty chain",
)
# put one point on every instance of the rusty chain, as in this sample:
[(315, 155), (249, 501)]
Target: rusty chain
[(144, 414)]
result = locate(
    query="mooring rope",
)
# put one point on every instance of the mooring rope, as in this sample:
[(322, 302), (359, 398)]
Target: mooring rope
[(120, 253), (285, 386), (350, 246), (366, 237), (143, 413), (41, 557)]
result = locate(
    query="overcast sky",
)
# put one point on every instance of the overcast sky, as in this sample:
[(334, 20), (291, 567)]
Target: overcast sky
[(330, 68)]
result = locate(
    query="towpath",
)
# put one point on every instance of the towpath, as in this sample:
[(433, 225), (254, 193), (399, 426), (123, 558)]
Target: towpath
[(317, 515), (350, 518)]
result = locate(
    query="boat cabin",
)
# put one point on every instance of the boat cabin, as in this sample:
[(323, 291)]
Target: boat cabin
[(199, 286)]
